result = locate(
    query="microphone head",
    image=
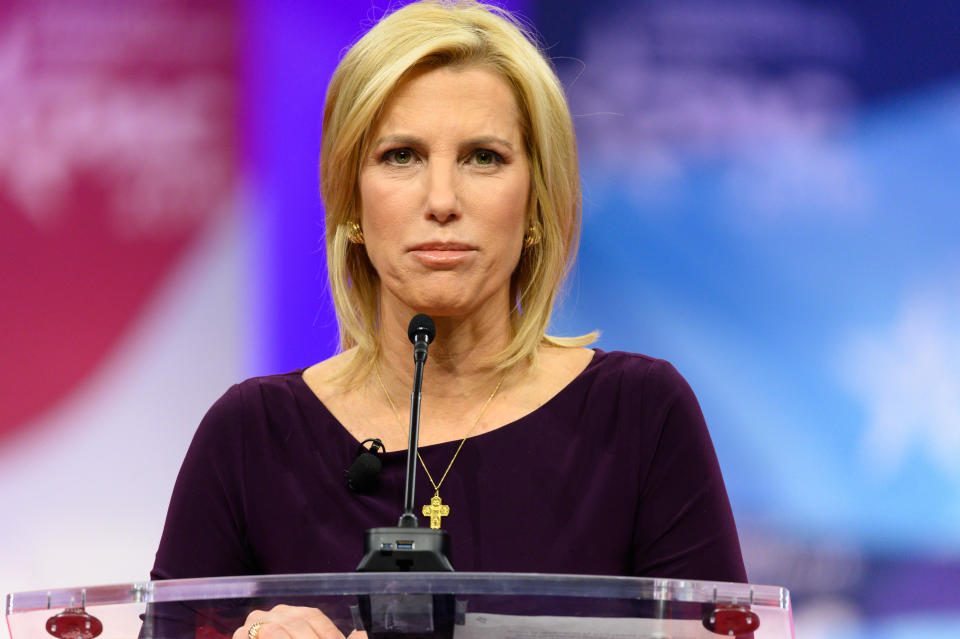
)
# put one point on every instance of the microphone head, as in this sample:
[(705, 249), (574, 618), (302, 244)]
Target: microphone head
[(421, 324)]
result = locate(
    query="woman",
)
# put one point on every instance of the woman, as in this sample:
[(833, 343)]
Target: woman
[(449, 178)]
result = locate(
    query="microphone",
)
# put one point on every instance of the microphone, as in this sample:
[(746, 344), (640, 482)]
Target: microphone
[(406, 546), (364, 474)]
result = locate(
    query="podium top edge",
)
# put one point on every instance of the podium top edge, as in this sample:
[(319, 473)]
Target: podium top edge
[(458, 583)]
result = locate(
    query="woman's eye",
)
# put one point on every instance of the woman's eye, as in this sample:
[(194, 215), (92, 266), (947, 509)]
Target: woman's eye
[(484, 157), (399, 156)]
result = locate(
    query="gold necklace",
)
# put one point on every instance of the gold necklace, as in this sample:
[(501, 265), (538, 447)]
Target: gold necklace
[(436, 508)]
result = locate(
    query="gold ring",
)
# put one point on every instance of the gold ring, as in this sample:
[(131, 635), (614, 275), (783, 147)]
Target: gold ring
[(254, 629)]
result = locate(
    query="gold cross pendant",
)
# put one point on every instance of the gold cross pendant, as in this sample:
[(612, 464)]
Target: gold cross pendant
[(436, 510)]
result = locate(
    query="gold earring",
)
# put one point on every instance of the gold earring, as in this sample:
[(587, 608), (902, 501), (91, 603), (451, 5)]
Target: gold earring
[(354, 233), (532, 237)]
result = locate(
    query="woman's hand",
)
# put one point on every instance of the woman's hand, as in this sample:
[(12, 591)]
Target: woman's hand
[(290, 622)]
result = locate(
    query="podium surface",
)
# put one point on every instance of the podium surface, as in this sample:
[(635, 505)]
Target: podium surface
[(482, 605)]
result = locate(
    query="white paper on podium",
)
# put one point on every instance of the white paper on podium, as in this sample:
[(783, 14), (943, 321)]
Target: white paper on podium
[(488, 626)]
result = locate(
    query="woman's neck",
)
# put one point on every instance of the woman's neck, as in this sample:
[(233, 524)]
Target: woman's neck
[(459, 362)]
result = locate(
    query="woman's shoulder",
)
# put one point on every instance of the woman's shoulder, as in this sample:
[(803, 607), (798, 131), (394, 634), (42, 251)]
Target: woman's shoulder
[(636, 368), (258, 389), (587, 378), (321, 375), (255, 400)]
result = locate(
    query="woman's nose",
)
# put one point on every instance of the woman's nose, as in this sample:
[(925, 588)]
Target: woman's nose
[(442, 201)]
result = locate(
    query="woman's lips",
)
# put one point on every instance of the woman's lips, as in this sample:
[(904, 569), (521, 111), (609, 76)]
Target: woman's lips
[(442, 254)]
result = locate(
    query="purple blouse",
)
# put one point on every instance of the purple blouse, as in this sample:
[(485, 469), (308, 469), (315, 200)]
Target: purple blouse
[(615, 475)]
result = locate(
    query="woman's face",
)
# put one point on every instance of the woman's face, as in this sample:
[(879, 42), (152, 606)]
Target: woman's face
[(444, 191)]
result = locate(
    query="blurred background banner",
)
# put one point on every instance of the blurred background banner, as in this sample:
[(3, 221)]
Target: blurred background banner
[(121, 277), (771, 190)]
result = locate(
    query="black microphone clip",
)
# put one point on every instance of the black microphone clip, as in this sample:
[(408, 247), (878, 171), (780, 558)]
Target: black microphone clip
[(364, 474)]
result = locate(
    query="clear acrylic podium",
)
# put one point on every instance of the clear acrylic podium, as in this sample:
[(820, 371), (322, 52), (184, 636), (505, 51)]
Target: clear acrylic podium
[(480, 606)]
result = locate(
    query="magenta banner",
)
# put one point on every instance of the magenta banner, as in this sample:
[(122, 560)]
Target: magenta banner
[(117, 146)]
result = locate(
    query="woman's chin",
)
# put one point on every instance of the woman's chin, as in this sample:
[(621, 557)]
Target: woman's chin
[(446, 309), (447, 297), (448, 306)]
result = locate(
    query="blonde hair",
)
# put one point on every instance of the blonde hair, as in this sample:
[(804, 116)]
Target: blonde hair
[(459, 33)]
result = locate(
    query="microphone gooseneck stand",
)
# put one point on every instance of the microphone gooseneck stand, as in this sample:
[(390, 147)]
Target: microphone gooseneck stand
[(408, 547), (421, 332)]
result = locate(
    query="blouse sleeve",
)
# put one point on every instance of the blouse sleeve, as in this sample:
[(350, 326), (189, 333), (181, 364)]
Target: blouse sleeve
[(204, 534), (685, 528)]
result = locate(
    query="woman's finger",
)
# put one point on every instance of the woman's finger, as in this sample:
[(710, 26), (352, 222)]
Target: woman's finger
[(288, 622), (244, 631), (322, 626), (254, 616)]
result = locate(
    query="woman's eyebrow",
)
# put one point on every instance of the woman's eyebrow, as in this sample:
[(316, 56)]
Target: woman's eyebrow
[(408, 140), (414, 141), (486, 140)]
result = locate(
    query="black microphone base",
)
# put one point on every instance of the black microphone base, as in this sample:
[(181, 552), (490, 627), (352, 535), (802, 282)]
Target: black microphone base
[(406, 550), (407, 616)]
